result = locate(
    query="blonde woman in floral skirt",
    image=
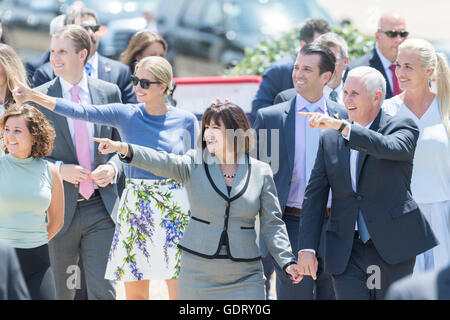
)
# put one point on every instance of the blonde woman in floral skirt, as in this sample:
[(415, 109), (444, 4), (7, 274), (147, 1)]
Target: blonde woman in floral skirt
[(153, 210)]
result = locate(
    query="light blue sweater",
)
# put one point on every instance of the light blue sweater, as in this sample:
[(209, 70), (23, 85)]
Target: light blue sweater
[(174, 132)]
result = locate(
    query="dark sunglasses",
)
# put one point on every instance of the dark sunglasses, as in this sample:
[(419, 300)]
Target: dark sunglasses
[(93, 28), (394, 34), (145, 84)]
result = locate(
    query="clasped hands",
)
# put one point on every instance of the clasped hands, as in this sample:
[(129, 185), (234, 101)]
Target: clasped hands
[(102, 175)]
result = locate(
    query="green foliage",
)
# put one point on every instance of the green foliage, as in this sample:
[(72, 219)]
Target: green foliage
[(260, 57)]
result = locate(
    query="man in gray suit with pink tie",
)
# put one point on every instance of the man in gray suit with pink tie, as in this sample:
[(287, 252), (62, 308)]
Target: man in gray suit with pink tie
[(91, 196)]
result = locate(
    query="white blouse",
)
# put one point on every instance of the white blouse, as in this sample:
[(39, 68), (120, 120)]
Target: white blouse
[(431, 172)]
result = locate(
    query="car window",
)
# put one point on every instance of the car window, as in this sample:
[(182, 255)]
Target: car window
[(192, 12), (269, 16), (213, 16)]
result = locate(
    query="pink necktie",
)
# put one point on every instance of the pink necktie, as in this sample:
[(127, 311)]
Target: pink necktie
[(395, 84), (82, 147)]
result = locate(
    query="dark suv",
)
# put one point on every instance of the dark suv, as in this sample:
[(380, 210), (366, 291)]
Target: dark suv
[(213, 34)]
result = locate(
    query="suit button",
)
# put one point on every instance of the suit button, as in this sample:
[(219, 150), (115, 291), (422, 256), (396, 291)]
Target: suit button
[(359, 198)]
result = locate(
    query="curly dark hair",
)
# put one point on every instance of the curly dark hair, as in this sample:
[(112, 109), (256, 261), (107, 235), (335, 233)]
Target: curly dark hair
[(40, 128)]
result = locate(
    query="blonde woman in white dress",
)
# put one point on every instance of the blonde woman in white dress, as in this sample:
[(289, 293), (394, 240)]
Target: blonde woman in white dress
[(417, 63)]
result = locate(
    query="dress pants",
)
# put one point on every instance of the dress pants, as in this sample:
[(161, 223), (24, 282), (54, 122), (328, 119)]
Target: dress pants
[(89, 237), (358, 281)]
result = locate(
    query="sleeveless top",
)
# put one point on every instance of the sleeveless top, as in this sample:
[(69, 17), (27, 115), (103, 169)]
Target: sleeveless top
[(430, 182), (25, 195)]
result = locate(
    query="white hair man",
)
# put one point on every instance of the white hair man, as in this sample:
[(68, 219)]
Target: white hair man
[(376, 228)]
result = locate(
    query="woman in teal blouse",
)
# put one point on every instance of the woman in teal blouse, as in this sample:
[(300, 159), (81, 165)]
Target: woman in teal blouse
[(31, 195)]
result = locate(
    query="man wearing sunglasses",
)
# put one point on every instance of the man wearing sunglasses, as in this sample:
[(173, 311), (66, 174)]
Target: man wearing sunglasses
[(390, 34), (97, 66)]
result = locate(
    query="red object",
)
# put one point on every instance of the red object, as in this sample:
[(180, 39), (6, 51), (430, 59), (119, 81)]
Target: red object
[(217, 79), (395, 84)]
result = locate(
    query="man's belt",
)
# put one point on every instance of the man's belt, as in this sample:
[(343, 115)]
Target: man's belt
[(293, 211), (95, 194)]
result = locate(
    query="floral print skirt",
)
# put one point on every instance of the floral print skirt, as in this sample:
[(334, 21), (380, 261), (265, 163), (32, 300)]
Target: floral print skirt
[(151, 220)]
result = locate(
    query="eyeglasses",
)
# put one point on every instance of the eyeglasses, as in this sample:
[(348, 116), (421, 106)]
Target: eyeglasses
[(145, 84), (93, 28), (394, 33)]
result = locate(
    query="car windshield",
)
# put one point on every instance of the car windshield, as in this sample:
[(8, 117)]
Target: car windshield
[(270, 16)]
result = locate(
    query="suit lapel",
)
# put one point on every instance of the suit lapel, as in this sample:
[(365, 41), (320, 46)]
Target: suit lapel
[(376, 63), (104, 70), (289, 131), (55, 90), (362, 155), (241, 175), (343, 152), (96, 100), (215, 175)]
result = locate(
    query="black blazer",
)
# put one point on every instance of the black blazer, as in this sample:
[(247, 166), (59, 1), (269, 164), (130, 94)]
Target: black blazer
[(370, 59), (35, 63), (108, 70), (397, 227)]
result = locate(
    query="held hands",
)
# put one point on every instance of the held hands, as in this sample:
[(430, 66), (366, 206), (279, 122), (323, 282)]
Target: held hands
[(103, 175), (75, 174), (307, 264), (294, 274)]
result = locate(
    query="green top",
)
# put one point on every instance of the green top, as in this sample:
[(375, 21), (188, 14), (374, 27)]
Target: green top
[(25, 195)]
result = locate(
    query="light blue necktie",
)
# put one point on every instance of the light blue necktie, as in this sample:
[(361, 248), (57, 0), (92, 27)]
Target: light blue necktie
[(89, 70), (311, 144), (333, 96), (362, 228)]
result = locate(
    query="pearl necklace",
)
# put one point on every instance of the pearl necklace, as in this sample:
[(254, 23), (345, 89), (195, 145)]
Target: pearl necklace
[(229, 176)]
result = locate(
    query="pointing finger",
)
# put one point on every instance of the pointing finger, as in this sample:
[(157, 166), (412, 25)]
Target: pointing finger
[(306, 114)]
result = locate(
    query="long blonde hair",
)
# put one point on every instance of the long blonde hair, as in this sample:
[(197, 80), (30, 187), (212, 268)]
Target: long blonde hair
[(429, 58), (13, 67)]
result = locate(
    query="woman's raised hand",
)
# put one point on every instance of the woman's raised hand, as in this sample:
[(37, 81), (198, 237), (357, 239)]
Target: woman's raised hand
[(21, 92), (107, 146)]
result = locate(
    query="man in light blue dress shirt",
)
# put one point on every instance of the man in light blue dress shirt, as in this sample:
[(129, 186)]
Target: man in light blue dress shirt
[(297, 146)]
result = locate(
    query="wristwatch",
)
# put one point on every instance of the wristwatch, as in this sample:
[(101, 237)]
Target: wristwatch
[(342, 127)]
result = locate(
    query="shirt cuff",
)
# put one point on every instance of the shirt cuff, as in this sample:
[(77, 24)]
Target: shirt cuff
[(114, 181), (347, 137), (308, 250), (125, 158)]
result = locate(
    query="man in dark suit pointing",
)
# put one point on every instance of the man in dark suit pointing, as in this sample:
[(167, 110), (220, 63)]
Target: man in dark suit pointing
[(375, 229)]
